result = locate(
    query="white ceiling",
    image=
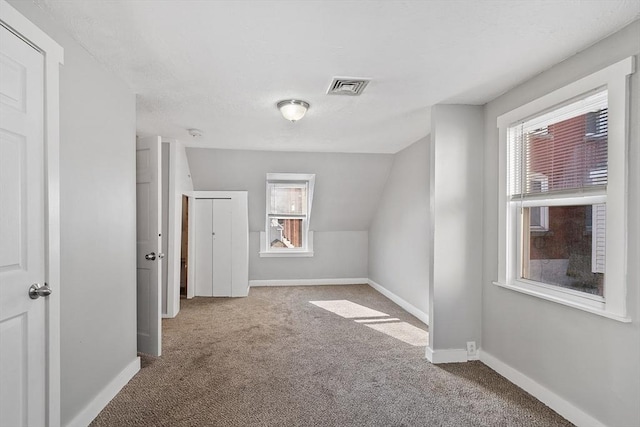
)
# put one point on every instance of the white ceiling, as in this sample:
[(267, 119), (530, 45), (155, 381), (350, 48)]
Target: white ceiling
[(221, 66)]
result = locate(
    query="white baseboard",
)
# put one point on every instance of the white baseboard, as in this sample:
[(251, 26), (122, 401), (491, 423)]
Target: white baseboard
[(94, 407), (452, 355), (308, 282), (424, 317), (566, 409)]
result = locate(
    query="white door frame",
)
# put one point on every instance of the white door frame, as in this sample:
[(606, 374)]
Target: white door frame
[(53, 58), (174, 232)]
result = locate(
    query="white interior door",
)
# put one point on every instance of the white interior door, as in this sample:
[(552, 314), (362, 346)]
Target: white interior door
[(149, 203), (221, 247), (203, 254), (23, 358)]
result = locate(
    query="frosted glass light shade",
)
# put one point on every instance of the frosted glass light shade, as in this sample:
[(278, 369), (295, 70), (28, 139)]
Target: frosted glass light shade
[(293, 109)]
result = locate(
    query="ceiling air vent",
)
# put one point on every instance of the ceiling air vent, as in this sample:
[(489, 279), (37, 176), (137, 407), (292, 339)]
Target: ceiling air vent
[(347, 86)]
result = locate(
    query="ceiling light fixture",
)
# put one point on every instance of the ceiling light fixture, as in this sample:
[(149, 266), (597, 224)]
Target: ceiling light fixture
[(293, 109)]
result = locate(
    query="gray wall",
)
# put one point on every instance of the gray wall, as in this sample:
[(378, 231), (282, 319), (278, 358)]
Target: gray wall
[(399, 234), (456, 222), (338, 255), (347, 191), (97, 211), (591, 361)]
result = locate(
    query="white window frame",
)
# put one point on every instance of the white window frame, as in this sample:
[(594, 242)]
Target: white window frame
[(307, 235), (613, 303)]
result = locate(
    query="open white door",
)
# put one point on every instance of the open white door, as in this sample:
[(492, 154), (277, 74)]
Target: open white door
[(149, 257), (23, 320)]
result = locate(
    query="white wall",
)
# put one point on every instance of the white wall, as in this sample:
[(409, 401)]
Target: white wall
[(399, 234), (590, 361), (346, 194), (456, 225), (97, 222)]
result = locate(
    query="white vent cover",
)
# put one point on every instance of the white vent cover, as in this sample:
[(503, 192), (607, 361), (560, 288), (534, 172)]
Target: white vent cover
[(351, 86)]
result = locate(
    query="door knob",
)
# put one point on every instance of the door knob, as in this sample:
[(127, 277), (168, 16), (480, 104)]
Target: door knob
[(37, 290), (150, 257)]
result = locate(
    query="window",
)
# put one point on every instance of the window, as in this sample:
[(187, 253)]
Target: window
[(288, 210), (563, 194)]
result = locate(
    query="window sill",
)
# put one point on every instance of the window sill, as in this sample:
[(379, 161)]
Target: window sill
[(297, 254), (553, 298)]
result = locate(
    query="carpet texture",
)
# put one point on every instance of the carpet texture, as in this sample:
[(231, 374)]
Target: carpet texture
[(276, 359)]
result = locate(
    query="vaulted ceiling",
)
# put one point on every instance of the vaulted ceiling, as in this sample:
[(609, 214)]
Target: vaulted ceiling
[(221, 66)]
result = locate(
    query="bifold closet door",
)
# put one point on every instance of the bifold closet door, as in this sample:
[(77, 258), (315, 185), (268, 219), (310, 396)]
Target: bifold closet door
[(213, 256), (221, 247), (204, 253)]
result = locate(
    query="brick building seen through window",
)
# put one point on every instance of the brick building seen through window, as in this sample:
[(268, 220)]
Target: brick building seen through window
[(558, 247)]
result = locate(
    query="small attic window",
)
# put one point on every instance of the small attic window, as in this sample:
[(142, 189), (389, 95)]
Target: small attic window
[(288, 209)]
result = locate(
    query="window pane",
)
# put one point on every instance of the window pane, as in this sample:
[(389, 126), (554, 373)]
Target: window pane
[(570, 253), (288, 199), (565, 149), (285, 233), (539, 218)]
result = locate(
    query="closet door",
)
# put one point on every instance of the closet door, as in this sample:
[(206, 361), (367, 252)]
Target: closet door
[(203, 251), (221, 247)]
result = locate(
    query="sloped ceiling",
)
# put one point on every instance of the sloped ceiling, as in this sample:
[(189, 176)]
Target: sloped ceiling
[(347, 190), (221, 66)]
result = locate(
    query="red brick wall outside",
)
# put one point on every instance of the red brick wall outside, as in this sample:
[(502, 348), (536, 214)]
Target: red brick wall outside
[(293, 231), (567, 225), (567, 234)]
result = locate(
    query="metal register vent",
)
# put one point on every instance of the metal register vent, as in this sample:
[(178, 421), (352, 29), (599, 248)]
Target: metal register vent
[(347, 86)]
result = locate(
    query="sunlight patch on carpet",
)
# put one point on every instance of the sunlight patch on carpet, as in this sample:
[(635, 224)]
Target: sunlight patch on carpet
[(376, 320), (348, 309), (403, 332)]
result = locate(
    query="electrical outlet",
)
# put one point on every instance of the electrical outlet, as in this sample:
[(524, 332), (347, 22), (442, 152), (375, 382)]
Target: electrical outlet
[(471, 348)]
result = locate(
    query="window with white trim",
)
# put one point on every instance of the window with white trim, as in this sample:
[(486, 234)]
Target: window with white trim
[(563, 194), (289, 199)]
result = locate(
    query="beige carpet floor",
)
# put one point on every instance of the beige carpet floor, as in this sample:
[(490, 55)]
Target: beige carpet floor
[(277, 359)]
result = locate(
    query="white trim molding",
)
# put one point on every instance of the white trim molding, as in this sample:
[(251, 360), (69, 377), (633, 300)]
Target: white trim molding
[(409, 308), (450, 355), (563, 407), (308, 282), (103, 398)]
